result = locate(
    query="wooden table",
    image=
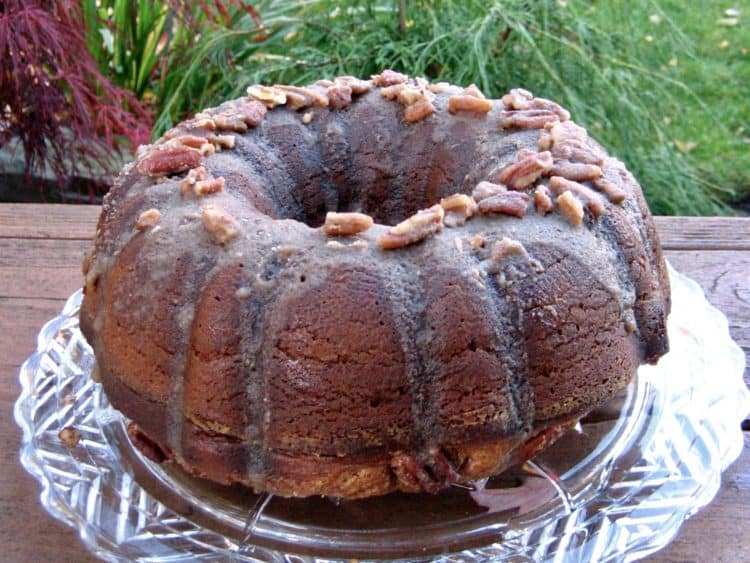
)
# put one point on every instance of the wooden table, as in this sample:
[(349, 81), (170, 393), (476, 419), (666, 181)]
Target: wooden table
[(40, 253)]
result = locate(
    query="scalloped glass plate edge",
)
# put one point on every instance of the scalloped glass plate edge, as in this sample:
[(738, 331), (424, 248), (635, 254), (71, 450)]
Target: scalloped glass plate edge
[(606, 527)]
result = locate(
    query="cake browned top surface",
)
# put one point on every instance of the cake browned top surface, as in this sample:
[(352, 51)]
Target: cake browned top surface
[(362, 286)]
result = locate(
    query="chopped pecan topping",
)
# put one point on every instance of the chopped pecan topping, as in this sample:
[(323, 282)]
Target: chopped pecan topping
[(477, 242), (594, 202), (219, 224), (469, 103), (612, 191), (527, 119), (472, 90), (483, 190), (230, 121), (208, 186), (542, 199), (507, 203), (416, 228), (545, 141), (571, 207), (207, 149), (517, 98), (388, 78), (502, 249), (339, 96), (202, 123), (458, 208), (252, 112), (525, 172), (357, 85), (418, 110), (269, 96), (69, 436), (147, 219), (338, 224), (576, 171), (323, 83), (221, 141), (195, 175), (169, 159), (307, 117)]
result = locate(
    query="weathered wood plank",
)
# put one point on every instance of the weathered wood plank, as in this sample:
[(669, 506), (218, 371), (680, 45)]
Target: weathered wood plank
[(32, 220), (704, 233), (43, 268)]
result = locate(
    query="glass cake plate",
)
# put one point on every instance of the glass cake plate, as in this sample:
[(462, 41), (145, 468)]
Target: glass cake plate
[(618, 487)]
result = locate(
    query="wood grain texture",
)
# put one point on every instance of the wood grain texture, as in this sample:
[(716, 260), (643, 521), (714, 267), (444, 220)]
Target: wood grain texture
[(40, 253), (57, 221)]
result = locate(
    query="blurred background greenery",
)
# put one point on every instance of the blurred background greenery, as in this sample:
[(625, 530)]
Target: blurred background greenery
[(663, 84)]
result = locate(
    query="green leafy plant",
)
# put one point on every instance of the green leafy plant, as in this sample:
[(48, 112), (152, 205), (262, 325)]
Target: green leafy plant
[(597, 59)]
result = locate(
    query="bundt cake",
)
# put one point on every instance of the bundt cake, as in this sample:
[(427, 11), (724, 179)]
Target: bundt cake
[(364, 286)]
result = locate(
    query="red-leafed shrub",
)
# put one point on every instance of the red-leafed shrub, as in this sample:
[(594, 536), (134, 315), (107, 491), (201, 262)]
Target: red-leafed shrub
[(53, 97)]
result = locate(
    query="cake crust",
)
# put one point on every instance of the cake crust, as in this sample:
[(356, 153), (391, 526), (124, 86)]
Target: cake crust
[(365, 286)]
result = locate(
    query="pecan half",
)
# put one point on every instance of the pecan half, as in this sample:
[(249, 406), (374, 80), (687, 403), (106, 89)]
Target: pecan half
[(563, 131), (269, 96), (339, 96), (571, 207), (576, 171), (342, 224), (576, 151), (230, 121), (517, 98), (191, 141), (208, 186), (594, 202), (458, 208), (357, 85), (392, 92), (469, 104), (147, 219), (302, 97), (527, 119), (612, 191), (483, 190), (168, 159), (549, 105), (506, 203), (219, 224), (542, 199), (388, 78), (416, 228), (252, 112), (525, 172), (418, 110)]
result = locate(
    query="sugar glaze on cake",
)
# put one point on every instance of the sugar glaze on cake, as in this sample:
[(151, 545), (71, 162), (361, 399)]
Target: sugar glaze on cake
[(364, 286)]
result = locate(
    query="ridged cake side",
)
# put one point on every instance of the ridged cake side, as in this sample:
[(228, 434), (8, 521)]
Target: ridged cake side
[(250, 344)]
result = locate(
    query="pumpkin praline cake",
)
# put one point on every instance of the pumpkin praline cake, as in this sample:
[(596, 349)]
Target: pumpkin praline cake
[(364, 286)]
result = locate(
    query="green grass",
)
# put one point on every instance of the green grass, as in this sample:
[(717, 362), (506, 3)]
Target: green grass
[(648, 78)]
